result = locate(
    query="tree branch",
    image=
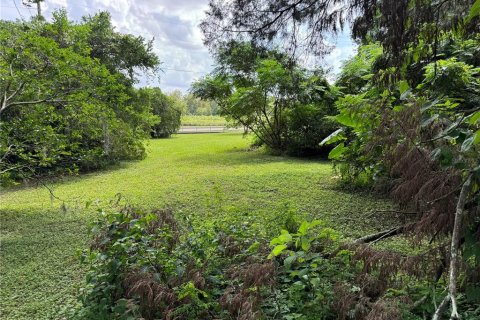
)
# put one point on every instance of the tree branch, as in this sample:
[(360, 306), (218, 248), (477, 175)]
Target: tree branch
[(380, 235)]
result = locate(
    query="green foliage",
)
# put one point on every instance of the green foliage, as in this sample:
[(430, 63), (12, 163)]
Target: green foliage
[(63, 108), (282, 104), (199, 107), (125, 243), (306, 274), (474, 10), (148, 265), (162, 106), (447, 98), (357, 70), (120, 53), (405, 127)]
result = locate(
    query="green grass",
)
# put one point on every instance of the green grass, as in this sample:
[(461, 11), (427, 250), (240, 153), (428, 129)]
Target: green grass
[(203, 121), (207, 176)]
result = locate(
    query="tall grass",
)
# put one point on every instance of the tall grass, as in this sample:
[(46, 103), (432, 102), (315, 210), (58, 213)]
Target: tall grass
[(203, 121)]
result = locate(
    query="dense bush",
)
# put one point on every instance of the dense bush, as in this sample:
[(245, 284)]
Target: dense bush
[(416, 136), (162, 106), (151, 266), (66, 90), (282, 104)]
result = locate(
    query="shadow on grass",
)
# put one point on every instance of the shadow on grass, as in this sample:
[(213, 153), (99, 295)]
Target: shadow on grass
[(242, 157), (47, 181)]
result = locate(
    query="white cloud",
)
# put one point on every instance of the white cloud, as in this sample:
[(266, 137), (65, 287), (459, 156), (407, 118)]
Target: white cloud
[(343, 49), (173, 24)]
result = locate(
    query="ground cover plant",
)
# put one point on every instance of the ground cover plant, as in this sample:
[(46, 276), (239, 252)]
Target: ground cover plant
[(206, 177), (149, 265)]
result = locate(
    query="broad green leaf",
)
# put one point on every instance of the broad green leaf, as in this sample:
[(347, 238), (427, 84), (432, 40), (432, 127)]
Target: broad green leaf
[(288, 261), (305, 244), (467, 144), (303, 272), (279, 249), (474, 118), (403, 86), (303, 227), (346, 120), (337, 152), (476, 137), (367, 76), (474, 10), (430, 120), (281, 239), (430, 105)]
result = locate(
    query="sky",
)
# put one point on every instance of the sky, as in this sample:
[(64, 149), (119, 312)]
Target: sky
[(173, 24)]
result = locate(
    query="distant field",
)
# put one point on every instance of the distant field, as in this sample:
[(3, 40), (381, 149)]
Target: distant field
[(207, 177), (203, 121)]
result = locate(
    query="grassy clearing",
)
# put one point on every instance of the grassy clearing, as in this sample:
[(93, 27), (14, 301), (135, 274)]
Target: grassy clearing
[(203, 121), (207, 176)]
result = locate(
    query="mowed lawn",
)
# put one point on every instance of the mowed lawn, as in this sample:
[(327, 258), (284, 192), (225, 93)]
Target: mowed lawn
[(204, 176)]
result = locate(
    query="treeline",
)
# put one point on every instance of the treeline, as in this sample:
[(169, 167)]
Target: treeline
[(68, 101)]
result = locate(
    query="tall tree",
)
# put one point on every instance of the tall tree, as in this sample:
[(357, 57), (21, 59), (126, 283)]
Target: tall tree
[(60, 109), (122, 53), (306, 24)]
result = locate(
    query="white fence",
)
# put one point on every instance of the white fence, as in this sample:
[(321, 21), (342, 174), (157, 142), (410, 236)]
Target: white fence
[(206, 129)]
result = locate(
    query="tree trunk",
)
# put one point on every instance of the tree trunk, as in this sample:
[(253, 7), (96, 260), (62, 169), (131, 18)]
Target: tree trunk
[(454, 255), (39, 9), (106, 138)]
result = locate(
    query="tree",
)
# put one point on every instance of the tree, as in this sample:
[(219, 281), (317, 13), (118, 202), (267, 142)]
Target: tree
[(123, 53), (169, 117), (355, 71), (304, 25), (423, 142), (60, 109), (281, 103)]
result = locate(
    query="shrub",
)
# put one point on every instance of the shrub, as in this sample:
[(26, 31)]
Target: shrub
[(150, 266)]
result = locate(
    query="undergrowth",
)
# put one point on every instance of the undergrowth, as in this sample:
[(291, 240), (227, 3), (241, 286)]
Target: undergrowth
[(149, 265), (213, 179)]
